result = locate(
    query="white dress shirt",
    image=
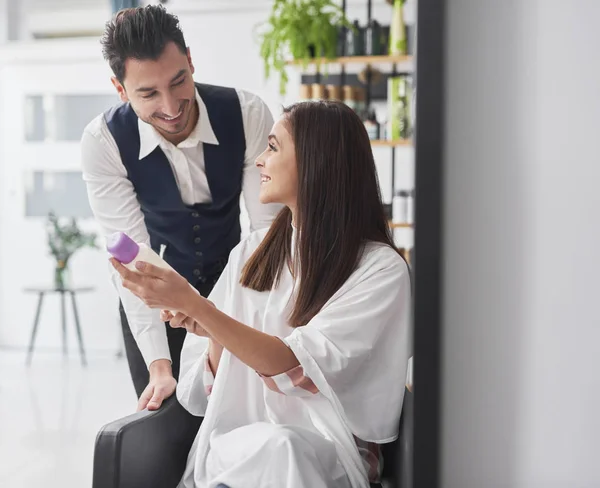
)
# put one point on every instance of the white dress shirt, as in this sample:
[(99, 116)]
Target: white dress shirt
[(115, 205)]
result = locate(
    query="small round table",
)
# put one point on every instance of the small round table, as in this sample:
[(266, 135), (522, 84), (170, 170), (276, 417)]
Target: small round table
[(42, 292)]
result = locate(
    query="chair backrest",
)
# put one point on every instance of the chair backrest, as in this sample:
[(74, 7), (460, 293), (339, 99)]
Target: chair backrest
[(146, 449)]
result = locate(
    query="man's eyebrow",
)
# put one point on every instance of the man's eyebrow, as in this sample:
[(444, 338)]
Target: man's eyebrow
[(151, 88)]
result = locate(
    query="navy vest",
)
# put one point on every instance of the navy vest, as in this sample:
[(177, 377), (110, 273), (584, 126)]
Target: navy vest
[(198, 238)]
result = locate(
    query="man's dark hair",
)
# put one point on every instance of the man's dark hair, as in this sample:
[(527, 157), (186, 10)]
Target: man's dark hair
[(139, 33)]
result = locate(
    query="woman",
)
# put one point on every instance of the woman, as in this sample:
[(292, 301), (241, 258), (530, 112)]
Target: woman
[(298, 361)]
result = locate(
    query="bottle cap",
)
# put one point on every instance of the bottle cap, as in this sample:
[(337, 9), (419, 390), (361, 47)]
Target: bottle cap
[(122, 247)]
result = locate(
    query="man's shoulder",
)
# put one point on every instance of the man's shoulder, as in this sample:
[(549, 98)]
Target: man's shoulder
[(96, 127), (250, 100)]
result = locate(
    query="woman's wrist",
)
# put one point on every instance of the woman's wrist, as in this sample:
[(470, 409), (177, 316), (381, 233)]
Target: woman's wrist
[(194, 302), (214, 346)]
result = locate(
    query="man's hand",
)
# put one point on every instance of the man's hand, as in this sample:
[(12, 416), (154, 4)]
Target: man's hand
[(162, 385), (180, 320)]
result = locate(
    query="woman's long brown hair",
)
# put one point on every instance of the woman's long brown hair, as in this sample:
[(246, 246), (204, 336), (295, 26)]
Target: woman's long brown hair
[(338, 209)]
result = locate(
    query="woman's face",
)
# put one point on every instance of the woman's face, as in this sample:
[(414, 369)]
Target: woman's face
[(279, 174)]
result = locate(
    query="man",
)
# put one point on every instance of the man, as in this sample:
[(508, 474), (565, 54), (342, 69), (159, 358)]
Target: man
[(167, 167)]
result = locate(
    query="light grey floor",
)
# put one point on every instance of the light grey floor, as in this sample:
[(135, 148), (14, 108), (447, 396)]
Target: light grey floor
[(51, 412)]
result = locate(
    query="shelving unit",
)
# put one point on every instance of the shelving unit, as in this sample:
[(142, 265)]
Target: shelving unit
[(396, 143), (345, 60), (399, 226), (393, 63)]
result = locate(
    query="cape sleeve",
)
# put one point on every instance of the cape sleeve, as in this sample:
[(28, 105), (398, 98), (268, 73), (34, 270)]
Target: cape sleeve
[(356, 349), (195, 381)]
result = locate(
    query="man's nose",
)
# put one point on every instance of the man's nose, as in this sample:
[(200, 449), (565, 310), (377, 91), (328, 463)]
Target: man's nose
[(171, 107)]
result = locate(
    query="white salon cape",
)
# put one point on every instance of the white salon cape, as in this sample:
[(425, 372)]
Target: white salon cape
[(355, 351)]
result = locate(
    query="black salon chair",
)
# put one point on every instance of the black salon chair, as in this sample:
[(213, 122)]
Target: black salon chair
[(150, 449)]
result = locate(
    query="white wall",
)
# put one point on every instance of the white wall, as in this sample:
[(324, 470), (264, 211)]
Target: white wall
[(34, 68), (521, 324), (77, 67)]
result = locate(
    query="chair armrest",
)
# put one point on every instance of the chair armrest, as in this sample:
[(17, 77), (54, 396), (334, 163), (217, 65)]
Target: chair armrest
[(148, 449)]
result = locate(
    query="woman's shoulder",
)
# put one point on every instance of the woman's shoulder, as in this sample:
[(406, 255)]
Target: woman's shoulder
[(378, 256), (249, 244)]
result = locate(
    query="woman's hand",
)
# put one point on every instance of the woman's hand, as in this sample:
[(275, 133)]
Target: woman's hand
[(158, 287), (181, 320)]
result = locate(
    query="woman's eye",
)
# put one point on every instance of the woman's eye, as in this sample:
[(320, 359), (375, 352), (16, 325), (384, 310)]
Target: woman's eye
[(272, 147)]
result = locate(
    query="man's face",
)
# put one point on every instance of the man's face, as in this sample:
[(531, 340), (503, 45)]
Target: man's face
[(162, 92)]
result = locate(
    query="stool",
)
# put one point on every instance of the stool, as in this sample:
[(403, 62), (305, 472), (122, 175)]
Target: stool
[(42, 292)]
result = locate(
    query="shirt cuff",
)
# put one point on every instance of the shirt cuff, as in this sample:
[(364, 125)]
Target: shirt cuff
[(153, 345), (292, 382)]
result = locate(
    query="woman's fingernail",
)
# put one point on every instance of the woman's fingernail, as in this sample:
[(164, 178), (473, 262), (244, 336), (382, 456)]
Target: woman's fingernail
[(140, 265)]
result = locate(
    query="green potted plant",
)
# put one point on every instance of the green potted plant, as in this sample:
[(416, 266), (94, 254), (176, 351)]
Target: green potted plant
[(301, 29), (64, 240)]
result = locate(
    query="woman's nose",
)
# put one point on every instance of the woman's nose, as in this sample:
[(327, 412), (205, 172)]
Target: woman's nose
[(260, 163)]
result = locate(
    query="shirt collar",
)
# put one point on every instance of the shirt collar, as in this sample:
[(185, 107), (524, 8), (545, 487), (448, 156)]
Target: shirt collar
[(203, 132)]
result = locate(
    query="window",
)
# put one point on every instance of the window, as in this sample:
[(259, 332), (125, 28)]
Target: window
[(52, 118), (63, 193)]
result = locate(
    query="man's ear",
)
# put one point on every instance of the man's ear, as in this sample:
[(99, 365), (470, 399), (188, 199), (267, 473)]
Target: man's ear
[(189, 57), (120, 89)]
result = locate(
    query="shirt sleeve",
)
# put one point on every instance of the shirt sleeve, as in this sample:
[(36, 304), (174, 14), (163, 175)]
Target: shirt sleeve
[(356, 349), (293, 382), (195, 376), (208, 378), (258, 123), (116, 208)]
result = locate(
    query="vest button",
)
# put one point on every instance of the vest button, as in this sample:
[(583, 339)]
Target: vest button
[(196, 272), (195, 215), (196, 228), (197, 240), (199, 254)]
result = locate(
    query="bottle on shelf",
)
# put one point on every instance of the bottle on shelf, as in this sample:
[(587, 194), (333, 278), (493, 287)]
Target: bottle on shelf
[(334, 92), (349, 96), (399, 126), (384, 39), (354, 40), (361, 102), (305, 92), (340, 46), (405, 96), (318, 92), (383, 128), (372, 38), (397, 30), (372, 125)]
